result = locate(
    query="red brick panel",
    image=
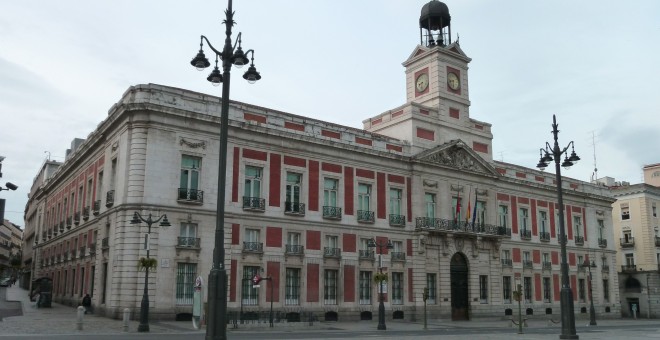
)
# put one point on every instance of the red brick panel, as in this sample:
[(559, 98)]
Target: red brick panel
[(537, 287), (363, 141), (312, 282), (294, 126), (555, 257), (516, 255), (273, 237), (348, 191), (275, 180), (350, 243), (396, 114), (454, 113), (569, 222), (382, 195), (313, 204), (235, 233), (313, 240), (254, 154), (501, 171), (502, 197), (539, 179), (295, 161), (329, 167), (521, 175), (584, 224), (233, 281), (253, 117), (480, 147), (553, 227), (409, 248), (331, 134), (409, 198), (376, 121), (396, 179), (273, 271), (381, 240), (424, 112), (425, 134), (393, 147), (349, 283), (571, 259), (574, 287), (364, 173), (534, 223), (556, 286), (514, 215), (536, 256)]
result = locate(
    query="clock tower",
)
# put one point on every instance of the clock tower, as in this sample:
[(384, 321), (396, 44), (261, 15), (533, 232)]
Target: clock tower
[(437, 92)]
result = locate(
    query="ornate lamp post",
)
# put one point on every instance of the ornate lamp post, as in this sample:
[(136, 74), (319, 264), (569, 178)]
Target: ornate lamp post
[(381, 305), (592, 310), (230, 55), (144, 306), (548, 154)]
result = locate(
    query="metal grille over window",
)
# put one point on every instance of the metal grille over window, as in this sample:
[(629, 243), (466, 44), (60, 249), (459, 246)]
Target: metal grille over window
[(249, 295), (292, 294), (397, 288), (185, 280)]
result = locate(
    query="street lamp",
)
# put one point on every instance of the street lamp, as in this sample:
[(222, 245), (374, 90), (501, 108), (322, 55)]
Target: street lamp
[(144, 306), (381, 306), (231, 54), (548, 154), (518, 295), (592, 310)]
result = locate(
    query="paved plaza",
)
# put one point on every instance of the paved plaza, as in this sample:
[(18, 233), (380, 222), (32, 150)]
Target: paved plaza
[(60, 320)]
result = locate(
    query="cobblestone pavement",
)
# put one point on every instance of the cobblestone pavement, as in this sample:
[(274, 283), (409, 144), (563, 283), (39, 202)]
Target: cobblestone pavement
[(61, 320)]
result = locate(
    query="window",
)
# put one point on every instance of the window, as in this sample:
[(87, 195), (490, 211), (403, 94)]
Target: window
[(330, 187), (395, 201), (253, 177), (250, 295), (506, 289), (398, 246), (189, 183), (88, 197), (502, 216), (601, 229), (429, 199), (188, 235), (292, 200), (524, 216), (483, 288), (364, 197), (252, 235), (252, 241), (292, 293), (397, 288), (330, 287), (332, 241), (527, 288), (99, 185), (364, 244), (627, 237), (293, 239), (625, 211), (480, 217), (185, 281), (546, 290), (630, 259), (456, 208), (606, 290), (543, 221), (365, 288), (506, 254), (577, 223), (431, 285), (581, 290), (653, 209)]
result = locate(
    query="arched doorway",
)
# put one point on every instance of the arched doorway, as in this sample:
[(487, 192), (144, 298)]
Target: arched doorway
[(459, 287)]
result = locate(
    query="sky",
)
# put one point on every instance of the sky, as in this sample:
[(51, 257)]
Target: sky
[(592, 63)]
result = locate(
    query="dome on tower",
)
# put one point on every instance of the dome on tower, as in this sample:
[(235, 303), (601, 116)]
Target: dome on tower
[(434, 16)]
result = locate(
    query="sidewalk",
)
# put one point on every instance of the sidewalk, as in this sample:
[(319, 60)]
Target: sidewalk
[(61, 319)]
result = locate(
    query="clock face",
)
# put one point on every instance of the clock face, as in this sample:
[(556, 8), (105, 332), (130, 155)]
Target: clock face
[(422, 82), (452, 81)]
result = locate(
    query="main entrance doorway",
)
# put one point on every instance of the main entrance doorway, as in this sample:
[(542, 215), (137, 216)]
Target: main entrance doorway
[(459, 287)]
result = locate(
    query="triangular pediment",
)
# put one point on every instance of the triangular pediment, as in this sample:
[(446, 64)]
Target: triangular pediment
[(417, 51), (458, 155), (456, 48)]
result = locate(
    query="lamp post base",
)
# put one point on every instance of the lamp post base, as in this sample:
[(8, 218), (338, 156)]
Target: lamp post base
[(216, 327)]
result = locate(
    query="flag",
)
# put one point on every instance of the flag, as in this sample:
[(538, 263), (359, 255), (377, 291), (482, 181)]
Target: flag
[(458, 205), (467, 213), (474, 212)]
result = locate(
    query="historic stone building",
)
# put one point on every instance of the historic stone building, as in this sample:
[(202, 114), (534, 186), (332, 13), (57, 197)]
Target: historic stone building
[(305, 196)]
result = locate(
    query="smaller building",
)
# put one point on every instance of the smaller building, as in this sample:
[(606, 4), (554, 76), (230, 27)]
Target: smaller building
[(11, 237)]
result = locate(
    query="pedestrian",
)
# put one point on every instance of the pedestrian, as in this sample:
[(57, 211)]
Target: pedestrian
[(87, 303)]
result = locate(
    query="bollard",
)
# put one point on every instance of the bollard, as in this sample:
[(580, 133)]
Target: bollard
[(79, 323), (127, 316)]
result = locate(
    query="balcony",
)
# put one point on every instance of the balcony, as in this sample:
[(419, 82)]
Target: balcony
[(544, 236), (92, 249), (579, 240), (187, 242), (105, 244), (527, 264), (61, 226), (627, 242), (602, 242), (69, 222), (82, 251), (253, 247), (294, 208), (365, 216), (331, 252), (74, 254), (76, 218), (657, 241), (525, 234), (397, 220), (629, 268), (294, 249), (605, 268), (443, 225), (367, 255), (109, 198), (96, 207), (186, 195), (65, 256), (547, 266), (85, 213), (397, 256), (507, 263), (254, 203), (332, 213)]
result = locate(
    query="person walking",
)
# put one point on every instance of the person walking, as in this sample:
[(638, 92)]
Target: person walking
[(87, 303)]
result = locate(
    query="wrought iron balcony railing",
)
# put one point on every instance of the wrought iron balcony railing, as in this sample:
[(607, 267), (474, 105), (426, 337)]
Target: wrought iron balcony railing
[(82, 251), (544, 236), (438, 224), (547, 265), (105, 243), (365, 216), (294, 249), (254, 203), (507, 263), (605, 268), (398, 256), (253, 247), (110, 198), (602, 242), (294, 208), (76, 218), (528, 264), (188, 242), (627, 242), (331, 252), (85, 213), (96, 207), (69, 222), (627, 268), (367, 255), (92, 249), (62, 226), (330, 212), (397, 220), (579, 240), (190, 195), (525, 234)]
